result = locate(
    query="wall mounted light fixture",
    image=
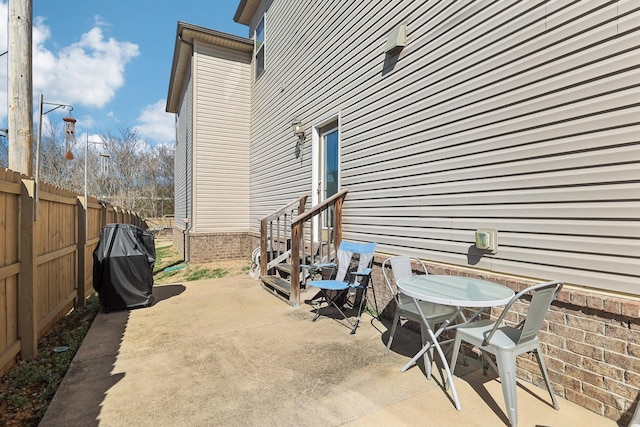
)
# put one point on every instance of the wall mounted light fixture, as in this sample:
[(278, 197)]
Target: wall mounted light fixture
[(298, 131)]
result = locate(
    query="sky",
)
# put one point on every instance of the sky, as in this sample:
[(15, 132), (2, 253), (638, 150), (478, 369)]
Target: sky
[(110, 60)]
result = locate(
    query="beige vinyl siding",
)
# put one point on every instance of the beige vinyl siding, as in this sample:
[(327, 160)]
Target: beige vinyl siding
[(519, 116), (184, 149), (221, 163)]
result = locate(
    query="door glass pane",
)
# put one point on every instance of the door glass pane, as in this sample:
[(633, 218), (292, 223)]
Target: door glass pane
[(330, 177), (331, 164)]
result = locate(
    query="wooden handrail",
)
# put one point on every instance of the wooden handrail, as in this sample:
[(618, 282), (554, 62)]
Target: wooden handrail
[(297, 237), (299, 201), (266, 222), (285, 227), (317, 209)]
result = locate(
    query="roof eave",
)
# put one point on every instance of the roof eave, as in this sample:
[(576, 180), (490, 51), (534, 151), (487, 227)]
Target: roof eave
[(246, 10), (186, 35)]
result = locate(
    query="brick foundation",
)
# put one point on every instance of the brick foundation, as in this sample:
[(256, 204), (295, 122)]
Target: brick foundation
[(208, 247)]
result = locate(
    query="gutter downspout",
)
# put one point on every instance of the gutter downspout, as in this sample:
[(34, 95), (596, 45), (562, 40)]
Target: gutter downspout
[(186, 239), (186, 243)]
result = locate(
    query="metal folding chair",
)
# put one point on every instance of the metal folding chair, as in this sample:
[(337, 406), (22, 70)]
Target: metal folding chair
[(348, 282)]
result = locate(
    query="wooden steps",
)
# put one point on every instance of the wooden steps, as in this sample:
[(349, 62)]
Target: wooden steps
[(278, 286), (278, 282), (284, 269)]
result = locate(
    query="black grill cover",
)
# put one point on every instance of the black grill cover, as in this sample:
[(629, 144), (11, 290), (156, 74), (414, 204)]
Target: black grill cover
[(123, 267)]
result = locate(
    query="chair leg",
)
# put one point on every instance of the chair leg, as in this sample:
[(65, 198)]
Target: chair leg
[(323, 297), (484, 362), (396, 318), (363, 302), (375, 301), (545, 374), (507, 372), (329, 302)]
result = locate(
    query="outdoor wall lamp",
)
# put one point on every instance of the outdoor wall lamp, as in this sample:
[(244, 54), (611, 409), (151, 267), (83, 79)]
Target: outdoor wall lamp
[(299, 132)]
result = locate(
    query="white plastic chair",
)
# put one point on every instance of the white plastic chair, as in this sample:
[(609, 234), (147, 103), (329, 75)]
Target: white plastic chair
[(406, 308), (507, 342)]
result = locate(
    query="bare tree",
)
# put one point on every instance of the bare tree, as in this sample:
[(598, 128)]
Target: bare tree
[(141, 177), (126, 153), (158, 178), (4, 151), (54, 167), (121, 169), (165, 167)]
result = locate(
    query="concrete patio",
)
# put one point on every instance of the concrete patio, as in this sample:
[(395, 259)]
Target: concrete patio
[(225, 352)]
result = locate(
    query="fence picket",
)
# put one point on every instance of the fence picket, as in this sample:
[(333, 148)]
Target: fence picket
[(54, 269)]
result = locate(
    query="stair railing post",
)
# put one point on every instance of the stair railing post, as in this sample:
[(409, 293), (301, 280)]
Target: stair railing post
[(263, 247), (337, 218), (301, 206), (294, 298)]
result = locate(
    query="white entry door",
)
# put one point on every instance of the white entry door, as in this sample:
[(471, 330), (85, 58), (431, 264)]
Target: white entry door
[(326, 165)]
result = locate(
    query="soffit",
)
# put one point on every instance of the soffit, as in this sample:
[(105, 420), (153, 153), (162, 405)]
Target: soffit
[(186, 36), (246, 10)]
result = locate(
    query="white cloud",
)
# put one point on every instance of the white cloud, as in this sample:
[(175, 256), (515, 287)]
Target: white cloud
[(100, 22), (156, 124), (86, 73)]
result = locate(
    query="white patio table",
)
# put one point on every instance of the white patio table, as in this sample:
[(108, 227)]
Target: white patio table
[(456, 291)]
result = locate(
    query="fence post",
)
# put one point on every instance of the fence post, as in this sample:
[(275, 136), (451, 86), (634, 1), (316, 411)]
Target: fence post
[(104, 215), (81, 300), (27, 282)]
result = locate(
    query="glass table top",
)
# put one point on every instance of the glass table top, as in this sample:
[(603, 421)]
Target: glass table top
[(455, 290)]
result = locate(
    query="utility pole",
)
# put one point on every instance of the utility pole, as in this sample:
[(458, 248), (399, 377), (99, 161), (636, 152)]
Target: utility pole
[(20, 87)]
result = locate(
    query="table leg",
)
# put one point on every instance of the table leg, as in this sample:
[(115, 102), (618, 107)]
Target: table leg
[(434, 343), (433, 336)]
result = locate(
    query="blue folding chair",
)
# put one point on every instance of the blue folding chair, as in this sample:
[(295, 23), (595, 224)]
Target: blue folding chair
[(348, 281)]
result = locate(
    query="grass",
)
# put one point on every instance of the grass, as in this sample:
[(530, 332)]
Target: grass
[(28, 387), (170, 268), (166, 256)]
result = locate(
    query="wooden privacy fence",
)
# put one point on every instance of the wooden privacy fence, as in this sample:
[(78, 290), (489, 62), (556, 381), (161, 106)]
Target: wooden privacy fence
[(46, 260)]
